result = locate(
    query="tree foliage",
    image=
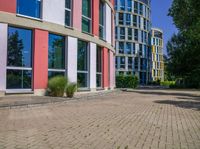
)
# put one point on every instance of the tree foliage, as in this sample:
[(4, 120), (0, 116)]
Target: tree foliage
[(184, 47)]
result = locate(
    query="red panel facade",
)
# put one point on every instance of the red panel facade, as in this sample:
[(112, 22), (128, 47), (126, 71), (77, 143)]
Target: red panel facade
[(112, 2), (8, 6), (40, 67), (77, 14), (95, 15), (105, 68)]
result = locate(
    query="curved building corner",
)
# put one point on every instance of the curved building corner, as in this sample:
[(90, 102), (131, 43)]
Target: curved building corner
[(132, 34), (43, 38)]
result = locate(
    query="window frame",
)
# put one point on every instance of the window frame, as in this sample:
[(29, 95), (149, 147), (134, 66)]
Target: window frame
[(88, 66), (122, 66), (130, 66), (128, 16), (70, 11), (87, 18), (99, 72), (21, 68), (27, 16), (54, 70), (122, 36), (102, 26)]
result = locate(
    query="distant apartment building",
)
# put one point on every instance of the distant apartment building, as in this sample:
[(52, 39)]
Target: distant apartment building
[(40, 39), (132, 34), (157, 54)]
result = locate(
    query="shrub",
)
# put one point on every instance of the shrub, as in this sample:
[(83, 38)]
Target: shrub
[(71, 89), (168, 83), (56, 86), (128, 81)]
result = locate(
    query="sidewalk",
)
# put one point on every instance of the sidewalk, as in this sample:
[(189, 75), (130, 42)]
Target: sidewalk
[(11, 101)]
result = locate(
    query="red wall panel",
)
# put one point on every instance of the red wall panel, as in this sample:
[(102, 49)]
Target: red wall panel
[(105, 68), (77, 14), (8, 6), (40, 66), (112, 2), (95, 19)]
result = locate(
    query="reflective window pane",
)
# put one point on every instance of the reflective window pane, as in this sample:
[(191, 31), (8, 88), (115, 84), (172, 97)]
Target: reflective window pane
[(55, 73), (19, 47), (14, 79), (30, 8), (67, 18), (27, 79), (86, 16), (86, 8), (99, 80), (56, 52), (68, 4), (82, 56), (99, 67), (19, 79), (82, 80), (86, 25), (99, 59)]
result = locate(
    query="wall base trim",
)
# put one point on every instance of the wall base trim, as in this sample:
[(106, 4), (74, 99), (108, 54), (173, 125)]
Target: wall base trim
[(40, 92), (2, 93)]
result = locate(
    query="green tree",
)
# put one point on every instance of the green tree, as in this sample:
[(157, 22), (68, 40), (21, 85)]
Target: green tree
[(184, 47), (15, 48)]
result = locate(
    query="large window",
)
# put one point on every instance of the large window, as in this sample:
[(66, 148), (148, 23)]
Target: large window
[(129, 5), (145, 24), (134, 20), (99, 67), (56, 55), (122, 4), (130, 34), (128, 19), (19, 58), (130, 63), (121, 47), (122, 62), (83, 68), (128, 48), (135, 7), (101, 20), (86, 16), (140, 49), (136, 63), (121, 18), (68, 12), (136, 34), (141, 8), (30, 8), (122, 33)]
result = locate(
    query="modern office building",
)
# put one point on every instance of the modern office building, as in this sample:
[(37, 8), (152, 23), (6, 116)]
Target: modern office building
[(40, 39), (133, 40), (157, 55)]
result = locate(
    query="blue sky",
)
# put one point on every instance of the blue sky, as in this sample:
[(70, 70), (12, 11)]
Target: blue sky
[(161, 20)]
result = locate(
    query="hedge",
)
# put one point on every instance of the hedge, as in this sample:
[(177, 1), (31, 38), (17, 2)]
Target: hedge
[(128, 81)]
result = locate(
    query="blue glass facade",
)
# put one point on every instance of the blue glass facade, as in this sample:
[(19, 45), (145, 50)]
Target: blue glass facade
[(132, 32)]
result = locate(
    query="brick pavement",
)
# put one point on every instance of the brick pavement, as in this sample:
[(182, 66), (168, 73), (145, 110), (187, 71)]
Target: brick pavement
[(119, 120)]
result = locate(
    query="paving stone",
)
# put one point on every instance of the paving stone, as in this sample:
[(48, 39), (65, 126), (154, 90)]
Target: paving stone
[(118, 120)]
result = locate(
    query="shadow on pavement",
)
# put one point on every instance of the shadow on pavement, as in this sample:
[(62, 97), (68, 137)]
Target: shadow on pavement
[(182, 99), (182, 104), (161, 93)]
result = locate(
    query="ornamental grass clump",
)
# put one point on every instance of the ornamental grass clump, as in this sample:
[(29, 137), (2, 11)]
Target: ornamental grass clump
[(71, 89), (56, 86)]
